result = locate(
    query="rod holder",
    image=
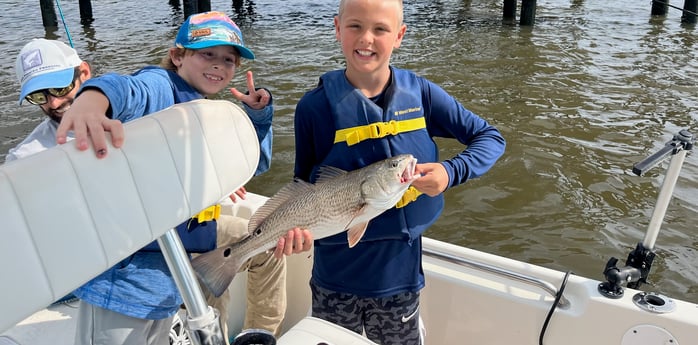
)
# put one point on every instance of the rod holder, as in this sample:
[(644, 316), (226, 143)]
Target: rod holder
[(639, 262)]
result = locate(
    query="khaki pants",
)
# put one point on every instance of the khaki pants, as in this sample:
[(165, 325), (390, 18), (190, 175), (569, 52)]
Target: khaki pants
[(96, 325), (266, 283)]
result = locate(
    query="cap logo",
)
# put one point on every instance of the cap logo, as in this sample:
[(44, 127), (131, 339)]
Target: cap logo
[(200, 32), (31, 59)]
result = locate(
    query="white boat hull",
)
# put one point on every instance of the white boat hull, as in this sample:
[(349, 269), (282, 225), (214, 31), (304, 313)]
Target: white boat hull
[(460, 305)]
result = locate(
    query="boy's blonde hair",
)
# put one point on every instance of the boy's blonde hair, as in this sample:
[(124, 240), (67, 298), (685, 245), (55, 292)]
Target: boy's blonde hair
[(343, 4)]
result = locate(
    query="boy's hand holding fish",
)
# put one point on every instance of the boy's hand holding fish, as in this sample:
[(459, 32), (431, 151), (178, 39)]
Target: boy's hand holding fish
[(295, 241)]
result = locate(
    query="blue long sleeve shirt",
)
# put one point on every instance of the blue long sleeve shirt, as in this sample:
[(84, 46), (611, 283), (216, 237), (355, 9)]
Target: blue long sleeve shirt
[(141, 285)]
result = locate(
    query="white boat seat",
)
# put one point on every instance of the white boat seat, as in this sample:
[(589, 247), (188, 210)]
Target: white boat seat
[(68, 216), (311, 330)]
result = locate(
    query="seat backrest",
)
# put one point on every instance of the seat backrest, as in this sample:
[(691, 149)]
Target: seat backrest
[(68, 216)]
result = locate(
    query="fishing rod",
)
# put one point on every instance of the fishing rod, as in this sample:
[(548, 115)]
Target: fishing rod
[(65, 26), (639, 262)]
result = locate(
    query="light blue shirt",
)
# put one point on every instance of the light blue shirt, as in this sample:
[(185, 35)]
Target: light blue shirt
[(141, 285), (41, 138)]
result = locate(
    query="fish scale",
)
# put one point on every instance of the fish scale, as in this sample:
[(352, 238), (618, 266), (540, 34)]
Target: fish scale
[(339, 201)]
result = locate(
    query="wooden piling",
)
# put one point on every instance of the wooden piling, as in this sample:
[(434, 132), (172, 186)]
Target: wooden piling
[(509, 11), (48, 13), (86, 12), (195, 6), (204, 5), (660, 8), (528, 12), (690, 7), (190, 7)]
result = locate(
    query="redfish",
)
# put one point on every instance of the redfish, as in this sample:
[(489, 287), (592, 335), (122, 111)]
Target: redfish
[(338, 201)]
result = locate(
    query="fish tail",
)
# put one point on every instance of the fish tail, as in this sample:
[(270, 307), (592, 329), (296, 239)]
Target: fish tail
[(216, 269)]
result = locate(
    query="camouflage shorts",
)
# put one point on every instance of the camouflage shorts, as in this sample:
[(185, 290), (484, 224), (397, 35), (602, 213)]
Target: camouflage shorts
[(392, 320)]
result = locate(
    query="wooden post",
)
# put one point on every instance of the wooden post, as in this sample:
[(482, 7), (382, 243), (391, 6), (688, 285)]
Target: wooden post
[(204, 5), (528, 12), (237, 5), (190, 7), (48, 13), (86, 12), (660, 8), (689, 11), (509, 11)]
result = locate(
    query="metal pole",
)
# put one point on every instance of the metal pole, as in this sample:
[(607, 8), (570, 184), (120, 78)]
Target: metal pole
[(672, 175), (202, 320)]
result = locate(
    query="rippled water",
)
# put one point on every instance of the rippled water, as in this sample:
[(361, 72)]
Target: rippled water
[(580, 97)]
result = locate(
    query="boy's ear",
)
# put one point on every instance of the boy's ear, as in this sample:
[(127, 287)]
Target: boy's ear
[(400, 35), (176, 55), (336, 28)]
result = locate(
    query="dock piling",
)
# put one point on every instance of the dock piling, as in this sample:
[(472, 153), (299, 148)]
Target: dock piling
[(48, 13), (528, 12), (690, 7), (85, 12), (660, 8), (509, 11)]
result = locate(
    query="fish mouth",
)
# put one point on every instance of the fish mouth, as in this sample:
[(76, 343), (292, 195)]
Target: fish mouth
[(408, 174)]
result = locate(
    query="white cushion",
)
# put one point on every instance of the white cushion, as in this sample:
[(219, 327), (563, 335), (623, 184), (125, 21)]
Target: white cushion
[(68, 216), (312, 330)]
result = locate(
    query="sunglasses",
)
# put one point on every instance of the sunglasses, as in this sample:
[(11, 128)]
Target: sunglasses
[(41, 97)]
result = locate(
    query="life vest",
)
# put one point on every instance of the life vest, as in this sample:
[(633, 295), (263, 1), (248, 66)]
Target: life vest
[(366, 133)]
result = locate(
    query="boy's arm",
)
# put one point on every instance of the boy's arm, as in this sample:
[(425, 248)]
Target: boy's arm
[(261, 119), (86, 118), (258, 104), (447, 118), (103, 103)]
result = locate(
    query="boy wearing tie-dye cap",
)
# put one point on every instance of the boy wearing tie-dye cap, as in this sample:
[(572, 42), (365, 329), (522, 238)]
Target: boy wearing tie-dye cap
[(135, 301)]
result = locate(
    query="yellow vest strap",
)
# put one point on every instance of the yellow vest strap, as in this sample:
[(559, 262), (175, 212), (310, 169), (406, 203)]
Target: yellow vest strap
[(209, 214), (410, 195), (355, 135)]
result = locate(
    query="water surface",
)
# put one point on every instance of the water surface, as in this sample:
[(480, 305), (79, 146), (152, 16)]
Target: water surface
[(580, 97)]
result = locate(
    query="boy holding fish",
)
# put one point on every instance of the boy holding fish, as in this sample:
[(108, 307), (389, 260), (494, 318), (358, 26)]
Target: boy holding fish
[(377, 111), (137, 298)]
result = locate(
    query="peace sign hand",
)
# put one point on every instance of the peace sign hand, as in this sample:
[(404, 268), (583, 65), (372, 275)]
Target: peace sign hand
[(255, 99)]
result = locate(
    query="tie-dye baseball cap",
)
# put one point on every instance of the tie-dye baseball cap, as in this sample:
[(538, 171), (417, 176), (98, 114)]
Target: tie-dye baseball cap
[(210, 29)]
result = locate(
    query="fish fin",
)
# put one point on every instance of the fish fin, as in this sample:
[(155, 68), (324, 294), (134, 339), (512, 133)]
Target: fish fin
[(326, 173), (287, 192), (355, 233), (216, 269)]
